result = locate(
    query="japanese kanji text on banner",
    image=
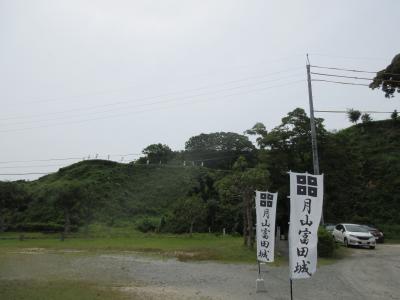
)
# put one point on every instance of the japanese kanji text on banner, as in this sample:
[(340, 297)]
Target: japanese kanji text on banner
[(265, 214), (306, 197)]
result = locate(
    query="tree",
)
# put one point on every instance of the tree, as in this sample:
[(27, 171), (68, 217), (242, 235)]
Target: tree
[(259, 130), (67, 198), (366, 118), (388, 79), (156, 153), (394, 115), (88, 203), (243, 183), (353, 115), (219, 149), (186, 213), (288, 147), (12, 198), (219, 141), (290, 142)]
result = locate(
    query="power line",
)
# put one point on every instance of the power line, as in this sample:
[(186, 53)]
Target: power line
[(345, 111), (119, 155), (342, 69), (288, 57), (124, 155), (136, 164), (342, 76), (66, 158), (99, 158), (40, 160), (161, 101), (148, 110), (153, 97), (353, 77), (353, 70), (21, 174), (166, 94), (27, 167), (36, 166), (349, 57), (340, 82)]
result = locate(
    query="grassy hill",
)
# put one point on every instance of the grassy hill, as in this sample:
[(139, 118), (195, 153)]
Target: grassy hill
[(109, 192), (128, 189)]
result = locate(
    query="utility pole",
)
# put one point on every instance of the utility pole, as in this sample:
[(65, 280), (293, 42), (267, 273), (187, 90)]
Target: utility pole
[(313, 131)]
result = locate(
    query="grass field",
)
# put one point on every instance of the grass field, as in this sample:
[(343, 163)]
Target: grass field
[(199, 247), (99, 238), (103, 240), (58, 289), (183, 247)]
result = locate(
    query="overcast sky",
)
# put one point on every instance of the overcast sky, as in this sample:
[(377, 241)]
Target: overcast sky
[(80, 78)]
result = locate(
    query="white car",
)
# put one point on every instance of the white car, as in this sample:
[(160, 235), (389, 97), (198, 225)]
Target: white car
[(353, 235)]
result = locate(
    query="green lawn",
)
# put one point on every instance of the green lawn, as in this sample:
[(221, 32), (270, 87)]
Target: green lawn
[(392, 241), (60, 290), (198, 247), (184, 247), (226, 249)]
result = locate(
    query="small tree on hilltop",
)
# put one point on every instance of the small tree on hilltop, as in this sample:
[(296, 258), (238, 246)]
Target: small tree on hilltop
[(366, 118), (156, 153), (394, 115), (353, 115)]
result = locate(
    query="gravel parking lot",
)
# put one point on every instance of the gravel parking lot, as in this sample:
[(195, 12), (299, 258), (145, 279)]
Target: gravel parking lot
[(365, 274)]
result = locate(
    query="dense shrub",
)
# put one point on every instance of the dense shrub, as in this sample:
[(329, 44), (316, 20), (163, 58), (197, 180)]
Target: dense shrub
[(39, 227), (326, 244), (391, 231), (146, 225)]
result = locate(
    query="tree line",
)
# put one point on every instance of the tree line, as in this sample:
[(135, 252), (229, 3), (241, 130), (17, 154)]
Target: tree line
[(213, 190)]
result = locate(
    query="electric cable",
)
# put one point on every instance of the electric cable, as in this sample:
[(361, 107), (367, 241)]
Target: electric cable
[(345, 111), (147, 98), (148, 110), (181, 91), (340, 82), (353, 77), (352, 70)]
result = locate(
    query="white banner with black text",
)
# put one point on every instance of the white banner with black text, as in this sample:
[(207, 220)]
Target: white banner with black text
[(306, 198), (265, 229)]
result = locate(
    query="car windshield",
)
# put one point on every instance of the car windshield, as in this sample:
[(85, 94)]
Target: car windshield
[(330, 227), (369, 227), (356, 228)]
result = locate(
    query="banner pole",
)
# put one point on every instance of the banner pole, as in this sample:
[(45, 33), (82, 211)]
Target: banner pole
[(291, 289)]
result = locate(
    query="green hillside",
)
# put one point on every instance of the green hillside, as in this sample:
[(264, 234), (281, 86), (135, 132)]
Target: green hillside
[(126, 190), (102, 191), (361, 166)]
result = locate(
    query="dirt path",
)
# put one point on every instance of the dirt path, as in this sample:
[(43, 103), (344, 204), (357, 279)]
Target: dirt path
[(366, 274)]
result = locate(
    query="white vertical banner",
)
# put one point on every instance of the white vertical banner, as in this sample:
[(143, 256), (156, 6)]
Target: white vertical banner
[(306, 197), (265, 229)]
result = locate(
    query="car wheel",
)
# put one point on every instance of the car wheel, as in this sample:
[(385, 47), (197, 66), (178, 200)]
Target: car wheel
[(371, 247), (346, 243)]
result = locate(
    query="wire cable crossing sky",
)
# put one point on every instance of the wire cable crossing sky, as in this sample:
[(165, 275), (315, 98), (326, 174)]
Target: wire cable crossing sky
[(115, 77)]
